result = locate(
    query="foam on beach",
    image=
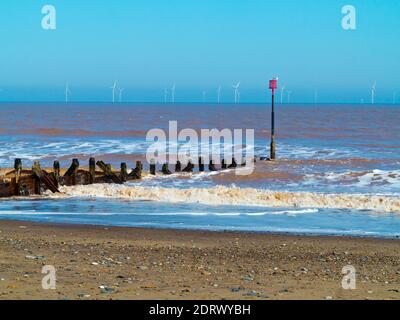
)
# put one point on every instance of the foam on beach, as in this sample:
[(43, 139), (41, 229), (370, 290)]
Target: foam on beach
[(223, 195)]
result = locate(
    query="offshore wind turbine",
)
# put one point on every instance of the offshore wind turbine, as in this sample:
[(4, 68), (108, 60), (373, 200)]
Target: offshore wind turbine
[(288, 96), (315, 96), (394, 97), (219, 94), (114, 90), (204, 96), (120, 90), (373, 93), (67, 92), (237, 92), (282, 89), (165, 95), (173, 88)]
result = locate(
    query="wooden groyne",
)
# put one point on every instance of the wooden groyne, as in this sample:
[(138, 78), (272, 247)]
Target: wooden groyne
[(36, 181)]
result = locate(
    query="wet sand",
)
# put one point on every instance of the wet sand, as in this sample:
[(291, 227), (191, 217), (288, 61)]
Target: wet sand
[(95, 262)]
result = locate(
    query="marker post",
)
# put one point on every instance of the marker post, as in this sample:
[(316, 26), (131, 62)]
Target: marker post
[(273, 84)]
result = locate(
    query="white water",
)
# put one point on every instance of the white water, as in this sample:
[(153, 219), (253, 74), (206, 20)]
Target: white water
[(222, 195)]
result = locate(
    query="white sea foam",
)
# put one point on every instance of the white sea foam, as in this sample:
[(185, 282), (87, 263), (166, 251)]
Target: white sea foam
[(222, 195), (358, 179), (31, 149), (155, 213), (285, 212), (38, 149)]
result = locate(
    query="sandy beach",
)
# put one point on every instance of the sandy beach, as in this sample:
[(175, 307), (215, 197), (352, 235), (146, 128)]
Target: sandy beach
[(95, 262)]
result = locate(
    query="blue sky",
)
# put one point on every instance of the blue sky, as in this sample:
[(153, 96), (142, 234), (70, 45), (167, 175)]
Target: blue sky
[(147, 45)]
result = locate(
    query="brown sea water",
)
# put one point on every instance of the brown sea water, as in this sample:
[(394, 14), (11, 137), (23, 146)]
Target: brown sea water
[(328, 147), (337, 169)]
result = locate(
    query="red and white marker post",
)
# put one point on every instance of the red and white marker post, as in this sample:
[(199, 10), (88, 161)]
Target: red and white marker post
[(273, 84)]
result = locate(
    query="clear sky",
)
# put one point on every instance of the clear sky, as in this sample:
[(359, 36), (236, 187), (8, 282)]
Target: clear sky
[(147, 45)]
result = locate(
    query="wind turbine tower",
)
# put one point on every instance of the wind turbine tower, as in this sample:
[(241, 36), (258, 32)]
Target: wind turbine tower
[(120, 90), (173, 93), (289, 93), (282, 89), (67, 92), (165, 95), (219, 94), (237, 92), (373, 89), (114, 90)]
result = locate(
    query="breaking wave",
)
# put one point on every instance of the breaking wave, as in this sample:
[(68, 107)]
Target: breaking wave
[(222, 195), (359, 178)]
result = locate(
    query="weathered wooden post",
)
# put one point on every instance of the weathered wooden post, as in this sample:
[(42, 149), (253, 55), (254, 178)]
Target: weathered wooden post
[(106, 168), (233, 164), (201, 164), (165, 169), (152, 167), (124, 172), (211, 166), (189, 167), (223, 164), (36, 168), (92, 170), (56, 170), (139, 169), (71, 172), (137, 172), (18, 165), (178, 166), (18, 168), (109, 168), (40, 177)]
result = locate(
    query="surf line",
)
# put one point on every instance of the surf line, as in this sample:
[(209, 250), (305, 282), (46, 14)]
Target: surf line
[(225, 195)]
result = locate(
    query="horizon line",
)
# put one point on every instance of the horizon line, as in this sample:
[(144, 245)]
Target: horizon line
[(197, 102)]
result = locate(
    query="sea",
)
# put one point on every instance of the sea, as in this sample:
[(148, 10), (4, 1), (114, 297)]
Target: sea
[(337, 170)]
